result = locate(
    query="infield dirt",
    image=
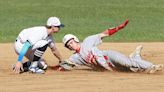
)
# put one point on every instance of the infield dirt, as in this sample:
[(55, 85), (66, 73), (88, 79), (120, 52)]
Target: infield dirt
[(83, 80)]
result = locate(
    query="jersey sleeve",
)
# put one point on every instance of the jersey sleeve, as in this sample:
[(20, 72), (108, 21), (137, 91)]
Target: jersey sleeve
[(75, 59), (100, 58), (51, 42), (92, 41)]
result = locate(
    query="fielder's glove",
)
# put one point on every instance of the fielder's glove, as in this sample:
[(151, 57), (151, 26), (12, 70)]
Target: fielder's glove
[(66, 65), (63, 66)]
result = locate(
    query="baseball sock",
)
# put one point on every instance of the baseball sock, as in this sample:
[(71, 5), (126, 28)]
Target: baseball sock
[(39, 52)]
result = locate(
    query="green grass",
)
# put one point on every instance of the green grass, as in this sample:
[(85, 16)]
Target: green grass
[(85, 17)]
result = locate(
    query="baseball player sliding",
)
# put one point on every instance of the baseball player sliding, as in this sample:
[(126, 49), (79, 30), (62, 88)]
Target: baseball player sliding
[(33, 42), (86, 53)]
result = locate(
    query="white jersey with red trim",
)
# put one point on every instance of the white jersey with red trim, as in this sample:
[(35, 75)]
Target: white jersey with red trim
[(89, 52)]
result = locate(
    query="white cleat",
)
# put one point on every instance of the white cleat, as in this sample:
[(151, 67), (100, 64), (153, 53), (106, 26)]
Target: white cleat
[(155, 68), (136, 52), (42, 65), (36, 70)]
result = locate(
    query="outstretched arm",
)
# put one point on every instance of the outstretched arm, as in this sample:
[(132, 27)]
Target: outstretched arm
[(111, 31), (56, 53), (18, 66), (65, 65)]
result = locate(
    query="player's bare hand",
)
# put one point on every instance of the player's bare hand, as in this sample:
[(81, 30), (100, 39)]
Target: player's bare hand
[(18, 67)]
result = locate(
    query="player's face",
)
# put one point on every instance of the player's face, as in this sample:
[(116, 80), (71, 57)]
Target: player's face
[(55, 29), (72, 44)]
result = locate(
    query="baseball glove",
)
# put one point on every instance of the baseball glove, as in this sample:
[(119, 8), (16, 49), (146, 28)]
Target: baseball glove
[(64, 66)]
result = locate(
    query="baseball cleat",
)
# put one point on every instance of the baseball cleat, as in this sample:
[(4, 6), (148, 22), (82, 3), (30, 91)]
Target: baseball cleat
[(155, 68), (42, 65), (134, 69), (136, 52), (36, 70)]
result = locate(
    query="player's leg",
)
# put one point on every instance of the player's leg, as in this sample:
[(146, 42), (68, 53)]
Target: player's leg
[(41, 63), (121, 59), (35, 55), (26, 66), (134, 65), (146, 66), (136, 53), (117, 60)]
